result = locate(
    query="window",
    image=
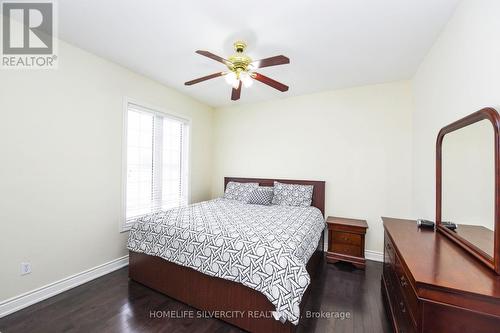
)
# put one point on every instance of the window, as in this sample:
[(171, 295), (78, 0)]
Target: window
[(155, 162)]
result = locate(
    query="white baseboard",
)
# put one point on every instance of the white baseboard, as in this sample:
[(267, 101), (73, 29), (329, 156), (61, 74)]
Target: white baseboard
[(34, 296), (374, 255)]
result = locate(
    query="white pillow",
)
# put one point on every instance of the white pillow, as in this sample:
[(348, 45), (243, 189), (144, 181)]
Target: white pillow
[(292, 194), (239, 191)]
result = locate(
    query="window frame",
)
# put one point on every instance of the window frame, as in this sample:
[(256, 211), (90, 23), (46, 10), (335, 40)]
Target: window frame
[(123, 225)]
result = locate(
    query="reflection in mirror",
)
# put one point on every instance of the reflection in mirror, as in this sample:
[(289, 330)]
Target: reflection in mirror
[(468, 183)]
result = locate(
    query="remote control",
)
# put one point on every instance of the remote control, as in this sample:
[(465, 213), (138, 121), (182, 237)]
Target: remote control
[(449, 225), (425, 223)]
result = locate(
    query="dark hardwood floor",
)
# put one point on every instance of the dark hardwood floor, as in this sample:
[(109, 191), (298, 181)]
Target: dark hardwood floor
[(112, 303)]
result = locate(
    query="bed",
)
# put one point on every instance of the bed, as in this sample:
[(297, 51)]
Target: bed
[(230, 286)]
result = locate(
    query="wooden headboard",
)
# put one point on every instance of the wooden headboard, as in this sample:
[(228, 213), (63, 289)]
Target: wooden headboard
[(318, 198)]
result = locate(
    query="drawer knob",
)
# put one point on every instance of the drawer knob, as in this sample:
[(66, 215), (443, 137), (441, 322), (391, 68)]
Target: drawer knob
[(403, 281), (402, 306)]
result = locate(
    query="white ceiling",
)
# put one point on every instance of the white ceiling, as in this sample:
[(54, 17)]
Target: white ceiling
[(331, 44)]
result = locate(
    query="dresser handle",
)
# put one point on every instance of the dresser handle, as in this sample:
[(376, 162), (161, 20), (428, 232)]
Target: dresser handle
[(403, 281), (402, 306)]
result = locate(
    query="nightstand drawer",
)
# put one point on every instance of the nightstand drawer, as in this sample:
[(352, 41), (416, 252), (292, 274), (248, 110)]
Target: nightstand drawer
[(346, 238), (351, 250)]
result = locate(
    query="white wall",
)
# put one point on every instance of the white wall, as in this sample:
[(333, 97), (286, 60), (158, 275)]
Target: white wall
[(460, 75), (60, 164), (357, 140)]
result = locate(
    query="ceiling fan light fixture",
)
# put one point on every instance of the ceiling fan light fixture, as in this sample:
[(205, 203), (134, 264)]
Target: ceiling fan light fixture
[(241, 70), (246, 79), (231, 78)]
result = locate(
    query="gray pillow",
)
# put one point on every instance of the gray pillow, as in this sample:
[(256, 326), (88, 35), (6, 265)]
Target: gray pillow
[(292, 194), (262, 195), (239, 191)]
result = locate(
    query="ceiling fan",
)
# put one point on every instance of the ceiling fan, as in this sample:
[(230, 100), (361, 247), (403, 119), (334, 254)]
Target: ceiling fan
[(241, 70)]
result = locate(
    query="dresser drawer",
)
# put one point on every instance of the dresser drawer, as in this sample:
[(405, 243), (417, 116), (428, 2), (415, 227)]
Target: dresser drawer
[(350, 250), (346, 238), (406, 290), (404, 322), (392, 288), (388, 250)]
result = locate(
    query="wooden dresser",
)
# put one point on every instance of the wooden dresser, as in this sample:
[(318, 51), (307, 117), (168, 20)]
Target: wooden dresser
[(432, 285)]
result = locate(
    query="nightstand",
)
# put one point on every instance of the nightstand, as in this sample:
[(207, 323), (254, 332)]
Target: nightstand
[(346, 241)]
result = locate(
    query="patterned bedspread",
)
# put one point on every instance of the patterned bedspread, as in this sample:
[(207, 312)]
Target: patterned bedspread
[(263, 247)]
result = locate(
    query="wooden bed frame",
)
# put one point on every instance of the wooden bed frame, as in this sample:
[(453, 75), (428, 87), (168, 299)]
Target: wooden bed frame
[(210, 293)]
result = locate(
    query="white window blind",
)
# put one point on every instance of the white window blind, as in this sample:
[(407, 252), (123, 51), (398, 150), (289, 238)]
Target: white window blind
[(156, 162)]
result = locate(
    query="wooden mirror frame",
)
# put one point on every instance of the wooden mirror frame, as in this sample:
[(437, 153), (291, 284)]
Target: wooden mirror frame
[(493, 116)]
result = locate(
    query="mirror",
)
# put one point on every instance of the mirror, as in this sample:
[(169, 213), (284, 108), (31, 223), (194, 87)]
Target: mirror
[(466, 183)]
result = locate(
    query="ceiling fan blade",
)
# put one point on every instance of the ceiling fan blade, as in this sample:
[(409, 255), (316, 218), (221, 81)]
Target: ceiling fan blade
[(235, 94), (272, 61), (201, 79), (270, 82), (212, 56)]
